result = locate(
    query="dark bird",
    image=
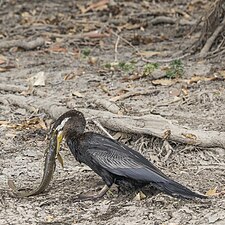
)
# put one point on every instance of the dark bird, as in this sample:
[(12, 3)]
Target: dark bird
[(112, 161)]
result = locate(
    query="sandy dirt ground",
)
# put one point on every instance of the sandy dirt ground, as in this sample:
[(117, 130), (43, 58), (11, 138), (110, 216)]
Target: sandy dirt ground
[(98, 51)]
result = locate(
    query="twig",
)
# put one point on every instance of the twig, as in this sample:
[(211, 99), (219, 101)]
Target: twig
[(133, 93), (96, 122), (39, 16), (166, 60), (169, 150), (165, 103), (126, 41), (116, 49)]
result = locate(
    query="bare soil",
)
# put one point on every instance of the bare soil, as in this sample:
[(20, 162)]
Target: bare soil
[(78, 66)]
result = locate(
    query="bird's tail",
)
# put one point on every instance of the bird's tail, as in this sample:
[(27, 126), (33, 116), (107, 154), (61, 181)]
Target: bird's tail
[(175, 189)]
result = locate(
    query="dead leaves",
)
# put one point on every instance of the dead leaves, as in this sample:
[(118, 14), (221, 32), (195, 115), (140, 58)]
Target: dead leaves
[(33, 123), (192, 80), (140, 196), (57, 48), (98, 6), (213, 192), (77, 94), (189, 136), (74, 74), (38, 79), (3, 59), (5, 64)]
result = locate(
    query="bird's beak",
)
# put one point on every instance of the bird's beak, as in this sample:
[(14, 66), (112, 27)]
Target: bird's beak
[(59, 141)]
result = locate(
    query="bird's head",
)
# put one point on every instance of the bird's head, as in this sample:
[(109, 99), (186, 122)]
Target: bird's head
[(69, 123)]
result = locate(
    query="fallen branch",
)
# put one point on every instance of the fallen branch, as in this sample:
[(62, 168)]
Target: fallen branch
[(154, 125), (26, 45)]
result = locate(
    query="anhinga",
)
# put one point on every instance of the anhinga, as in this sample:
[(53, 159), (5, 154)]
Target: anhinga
[(112, 161)]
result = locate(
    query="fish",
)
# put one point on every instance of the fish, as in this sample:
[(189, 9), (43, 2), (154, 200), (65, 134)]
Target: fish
[(51, 154)]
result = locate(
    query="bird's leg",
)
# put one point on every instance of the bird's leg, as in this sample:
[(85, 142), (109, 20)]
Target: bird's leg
[(92, 197)]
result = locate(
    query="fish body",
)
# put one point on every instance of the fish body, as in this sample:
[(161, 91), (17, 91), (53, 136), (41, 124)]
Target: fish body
[(49, 168)]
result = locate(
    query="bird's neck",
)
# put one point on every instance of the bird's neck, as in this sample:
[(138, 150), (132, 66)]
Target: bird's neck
[(72, 142)]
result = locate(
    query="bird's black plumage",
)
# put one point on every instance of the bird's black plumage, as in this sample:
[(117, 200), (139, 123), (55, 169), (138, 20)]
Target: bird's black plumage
[(116, 162)]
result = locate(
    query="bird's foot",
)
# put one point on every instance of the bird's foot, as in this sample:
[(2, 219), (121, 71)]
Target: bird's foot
[(83, 197)]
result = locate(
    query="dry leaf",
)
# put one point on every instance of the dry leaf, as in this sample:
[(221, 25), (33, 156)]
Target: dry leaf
[(77, 94), (184, 91), (139, 196), (57, 48), (211, 192), (49, 219), (42, 124), (92, 60), (69, 76), (101, 5), (118, 135), (196, 79), (3, 59), (116, 98), (222, 73), (39, 79), (3, 69), (33, 123), (72, 75), (105, 89), (166, 134), (190, 136), (4, 122)]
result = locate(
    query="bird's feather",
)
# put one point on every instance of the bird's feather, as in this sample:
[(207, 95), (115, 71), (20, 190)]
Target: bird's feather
[(120, 160)]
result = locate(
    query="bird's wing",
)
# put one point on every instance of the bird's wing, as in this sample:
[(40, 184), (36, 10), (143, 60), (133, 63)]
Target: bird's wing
[(123, 161)]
